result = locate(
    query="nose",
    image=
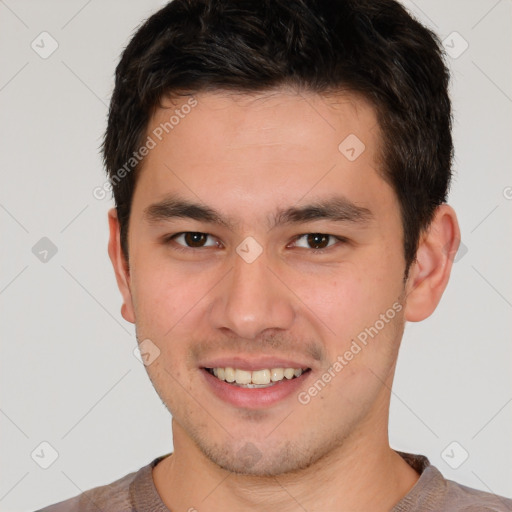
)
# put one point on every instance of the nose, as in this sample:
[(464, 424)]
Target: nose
[(251, 300)]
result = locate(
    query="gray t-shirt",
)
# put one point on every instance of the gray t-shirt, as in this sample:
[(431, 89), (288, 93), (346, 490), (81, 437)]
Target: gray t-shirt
[(136, 492)]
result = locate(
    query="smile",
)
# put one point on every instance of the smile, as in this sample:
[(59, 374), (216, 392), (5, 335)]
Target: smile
[(257, 378)]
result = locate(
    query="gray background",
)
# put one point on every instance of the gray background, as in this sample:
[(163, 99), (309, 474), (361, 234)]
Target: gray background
[(68, 373)]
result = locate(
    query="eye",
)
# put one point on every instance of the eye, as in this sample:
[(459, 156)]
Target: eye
[(194, 239), (316, 241)]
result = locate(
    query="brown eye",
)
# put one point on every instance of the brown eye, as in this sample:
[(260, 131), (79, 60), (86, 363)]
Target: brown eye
[(193, 239), (318, 240)]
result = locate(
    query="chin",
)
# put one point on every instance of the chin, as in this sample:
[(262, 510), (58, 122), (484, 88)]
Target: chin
[(251, 459)]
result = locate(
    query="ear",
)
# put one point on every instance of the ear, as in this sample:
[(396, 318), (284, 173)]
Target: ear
[(429, 273), (120, 264)]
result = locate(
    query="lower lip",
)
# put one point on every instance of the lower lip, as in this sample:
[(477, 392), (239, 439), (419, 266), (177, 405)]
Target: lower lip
[(254, 398)]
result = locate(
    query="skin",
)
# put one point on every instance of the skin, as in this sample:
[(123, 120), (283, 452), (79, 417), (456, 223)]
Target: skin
[(246, 157)]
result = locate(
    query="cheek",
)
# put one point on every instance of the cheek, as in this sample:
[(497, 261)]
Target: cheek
[(356, 309), (165, 296), (350, 296), (335, 299)]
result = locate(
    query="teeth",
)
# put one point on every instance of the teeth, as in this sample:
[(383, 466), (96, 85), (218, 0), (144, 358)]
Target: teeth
[(289, 373), (229, 374), (242, 377), (256, 378), (276, 374), (261, 377)]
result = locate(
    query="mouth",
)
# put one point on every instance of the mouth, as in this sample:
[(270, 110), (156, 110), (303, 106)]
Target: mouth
[(256, 389), (256, 379)]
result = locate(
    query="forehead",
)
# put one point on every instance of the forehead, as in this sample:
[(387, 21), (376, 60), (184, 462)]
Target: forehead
[(235, 149), (228, 121)]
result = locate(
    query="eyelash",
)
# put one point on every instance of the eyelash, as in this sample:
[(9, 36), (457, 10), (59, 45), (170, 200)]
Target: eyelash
[(183, 248)]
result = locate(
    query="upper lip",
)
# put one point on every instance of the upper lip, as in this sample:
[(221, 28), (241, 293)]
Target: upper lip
[(251, 364)]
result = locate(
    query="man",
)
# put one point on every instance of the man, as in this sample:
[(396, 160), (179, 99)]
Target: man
[(280, 172)]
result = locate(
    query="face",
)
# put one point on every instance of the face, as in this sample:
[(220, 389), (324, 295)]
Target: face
[(263, 237)]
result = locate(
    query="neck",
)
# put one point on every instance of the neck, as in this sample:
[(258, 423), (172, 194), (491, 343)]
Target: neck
[(362, 473)]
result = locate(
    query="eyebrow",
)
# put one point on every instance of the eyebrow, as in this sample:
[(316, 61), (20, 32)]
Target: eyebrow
[(173, 207), (336, 208)]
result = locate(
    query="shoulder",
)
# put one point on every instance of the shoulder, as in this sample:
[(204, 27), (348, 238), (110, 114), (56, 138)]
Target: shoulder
[(435, 493), (114, 497), (473, 500)]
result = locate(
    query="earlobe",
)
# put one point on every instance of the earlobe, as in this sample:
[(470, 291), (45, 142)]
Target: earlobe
[(430, 272), (120, 265)]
